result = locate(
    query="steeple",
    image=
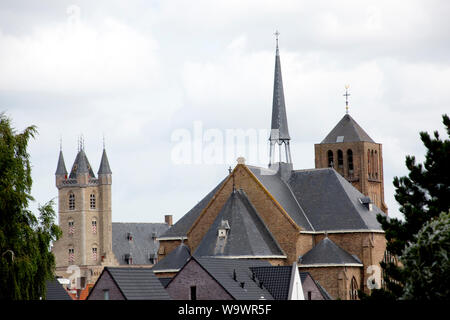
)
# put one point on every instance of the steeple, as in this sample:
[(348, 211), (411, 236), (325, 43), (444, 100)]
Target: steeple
[(279, 133)]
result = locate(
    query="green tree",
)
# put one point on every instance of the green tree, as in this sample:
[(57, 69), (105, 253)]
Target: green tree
[(426, 262), (422, 196), (25, 258)]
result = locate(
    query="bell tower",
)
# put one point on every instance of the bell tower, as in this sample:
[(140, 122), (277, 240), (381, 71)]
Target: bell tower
[(84, 210), (351, 152)]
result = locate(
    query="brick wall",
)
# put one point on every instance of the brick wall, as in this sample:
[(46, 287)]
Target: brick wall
[(105, 282), (194, 275)]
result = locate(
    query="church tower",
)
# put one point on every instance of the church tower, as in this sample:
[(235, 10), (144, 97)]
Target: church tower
[(351, 152), (279, 133), (85, 217)]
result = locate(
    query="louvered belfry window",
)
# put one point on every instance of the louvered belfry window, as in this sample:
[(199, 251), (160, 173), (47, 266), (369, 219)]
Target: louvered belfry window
[(71, 201), (92, 201)]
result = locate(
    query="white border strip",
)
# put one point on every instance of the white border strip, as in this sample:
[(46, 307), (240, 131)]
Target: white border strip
[(342, 231), (324, 265), (166, 270), (248, 257)]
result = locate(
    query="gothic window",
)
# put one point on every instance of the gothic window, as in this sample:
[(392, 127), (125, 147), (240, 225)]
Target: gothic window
[(376, 164), (94, 226), (94, 254), (353, 289), (92, 201), (369, 169), (330, 159), (71, 255), (71, 227), (372, 163), (350, 161), (71, 201), (340, 159)]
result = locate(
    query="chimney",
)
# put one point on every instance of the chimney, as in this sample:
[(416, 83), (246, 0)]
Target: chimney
[(168, 219)]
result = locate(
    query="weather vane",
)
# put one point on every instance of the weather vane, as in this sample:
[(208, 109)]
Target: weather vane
[(346, 95)]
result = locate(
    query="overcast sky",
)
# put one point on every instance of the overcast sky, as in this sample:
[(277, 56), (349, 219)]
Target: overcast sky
[(145, 74)]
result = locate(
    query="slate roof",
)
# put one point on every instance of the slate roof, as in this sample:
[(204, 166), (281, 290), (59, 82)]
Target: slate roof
[(331, 202), (138, 283), (222, 270), (279, 124), (326, 252), (349, 129), (104, 164), (61, 167), (55, 291), (247, 234), (282, 192), (182, 226), (81, 165), (143, 240), (276, 279), (175, 260)]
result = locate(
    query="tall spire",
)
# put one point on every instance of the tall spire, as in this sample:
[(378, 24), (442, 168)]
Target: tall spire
[(279, 133)]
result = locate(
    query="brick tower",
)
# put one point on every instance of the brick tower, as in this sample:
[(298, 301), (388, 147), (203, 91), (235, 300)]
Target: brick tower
[(85, 217), (351, 152)]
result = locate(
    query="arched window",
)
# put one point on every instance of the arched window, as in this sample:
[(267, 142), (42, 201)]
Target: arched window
[(376, 164), (353, 289), (369, 169), (94, 226), (340, 159), (71, 225), (92, 201), (71, 201), (71, 255), (350, 161), (94, 253), (372, 163), (330, 159)]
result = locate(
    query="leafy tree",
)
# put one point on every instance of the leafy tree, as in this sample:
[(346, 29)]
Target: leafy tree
[(426, 262), (25, 258), (422, 196)]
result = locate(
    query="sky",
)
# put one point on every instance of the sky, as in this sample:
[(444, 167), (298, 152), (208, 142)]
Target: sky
[(165, 85)]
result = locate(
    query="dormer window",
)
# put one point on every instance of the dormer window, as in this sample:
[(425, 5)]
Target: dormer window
[(128, 258), (223, 229), (130, 236), (367, 203)]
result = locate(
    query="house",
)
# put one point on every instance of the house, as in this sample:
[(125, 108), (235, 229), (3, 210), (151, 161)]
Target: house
[(124, 283)]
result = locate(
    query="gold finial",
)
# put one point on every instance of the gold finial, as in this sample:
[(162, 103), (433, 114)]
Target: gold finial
[(346, 95)]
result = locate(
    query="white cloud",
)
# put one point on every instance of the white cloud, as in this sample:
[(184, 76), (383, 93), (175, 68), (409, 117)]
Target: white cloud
[(78, 57)]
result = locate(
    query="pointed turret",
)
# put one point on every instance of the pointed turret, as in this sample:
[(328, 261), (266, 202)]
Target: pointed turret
[(279, 133), (104, 165), (61, 168)]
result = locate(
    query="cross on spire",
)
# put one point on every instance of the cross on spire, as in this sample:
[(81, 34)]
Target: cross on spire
[(276, 34), (346, 95)]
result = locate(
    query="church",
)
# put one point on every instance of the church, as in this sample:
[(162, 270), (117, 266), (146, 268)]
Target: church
[(322, 219)]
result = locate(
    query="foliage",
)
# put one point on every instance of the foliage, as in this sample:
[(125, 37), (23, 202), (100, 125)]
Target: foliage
[(422, 196), (25, 258), (426, 262)]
